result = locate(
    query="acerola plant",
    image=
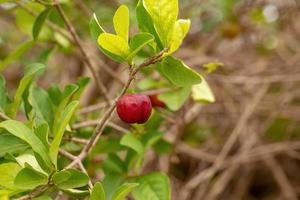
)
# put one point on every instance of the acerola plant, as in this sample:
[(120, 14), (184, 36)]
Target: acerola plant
[(47, 147), (134, 108)]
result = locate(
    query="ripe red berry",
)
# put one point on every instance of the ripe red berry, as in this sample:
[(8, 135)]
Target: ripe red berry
[(134, 108), (156, 102)]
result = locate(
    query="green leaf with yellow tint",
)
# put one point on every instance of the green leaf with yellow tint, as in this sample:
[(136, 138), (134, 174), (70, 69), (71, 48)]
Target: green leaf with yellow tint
[(202, 93), (114, 44), (121, 22), (181, 28), (96, 29), (164, 15)]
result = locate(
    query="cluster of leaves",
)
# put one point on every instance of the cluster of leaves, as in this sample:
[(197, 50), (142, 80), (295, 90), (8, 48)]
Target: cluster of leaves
[(29, 149), (159, 29)]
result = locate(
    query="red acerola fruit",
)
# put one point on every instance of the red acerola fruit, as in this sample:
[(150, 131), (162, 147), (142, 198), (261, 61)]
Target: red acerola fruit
[(134, 108), (156, 102)]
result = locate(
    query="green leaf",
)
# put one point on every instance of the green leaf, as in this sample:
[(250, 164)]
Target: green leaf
[(164, 14), (151, 137), (42, 132), (39, 22), (98, 192), (178, 73), (175, 99), (55, 94), (3, 97), (81, 83), (8, 174), (63, 122), (77, 193), (202, 93), (30, 72), (29, 159), (113, 164), (181, 28), (11, 144), (121, 22), (16, 54), (21, 131), (70, 178), (96, 30), (29, 179), (138, 42), (153, 186), (145, 23), (65, 97), (42, 109), (114, 44), (129, 140), (123, 191)]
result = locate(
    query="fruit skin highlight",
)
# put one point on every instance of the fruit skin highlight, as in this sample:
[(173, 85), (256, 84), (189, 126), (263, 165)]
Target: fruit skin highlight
[(156, 102), (134, 108)]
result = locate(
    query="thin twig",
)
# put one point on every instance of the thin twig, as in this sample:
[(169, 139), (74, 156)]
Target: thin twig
[(4, 116), (86, 57)]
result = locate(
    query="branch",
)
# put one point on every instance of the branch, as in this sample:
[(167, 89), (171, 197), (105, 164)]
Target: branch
[(87, 59), (107, 115)]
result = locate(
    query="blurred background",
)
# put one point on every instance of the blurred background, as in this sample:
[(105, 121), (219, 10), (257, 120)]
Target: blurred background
[(246, 144)]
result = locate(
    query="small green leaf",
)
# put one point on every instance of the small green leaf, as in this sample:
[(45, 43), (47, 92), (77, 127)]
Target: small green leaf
[(29, 179), (153, 186), (138, 42), (29, 159), (202, 93), (39, 22), (63, 122), (129, 140), (42, 132), (96, 30), (3, 97), (114, 44), (65, 98), (16, 54), (178, 73), (123, 190), (70, 178), (30, 72), (81, 83), (21, 131), (77, 193), (42, 109), (8, 174), (175, 99), (181, 28), (212, 66), (121, 22), (98, 192), (114, 164), (164, 14), (11, 144)]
